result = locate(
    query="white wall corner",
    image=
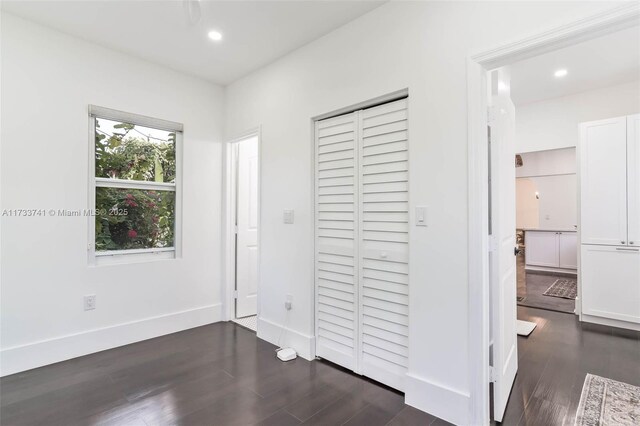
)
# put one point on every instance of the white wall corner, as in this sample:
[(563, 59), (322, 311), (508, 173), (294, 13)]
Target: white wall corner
[(303, 344), (436, 399), (37, 354)]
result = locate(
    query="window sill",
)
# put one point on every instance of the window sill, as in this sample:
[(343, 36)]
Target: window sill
[(123, 257)]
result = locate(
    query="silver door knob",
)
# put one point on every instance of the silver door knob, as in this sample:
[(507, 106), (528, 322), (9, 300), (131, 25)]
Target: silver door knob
[(631, 242), (622, 242)]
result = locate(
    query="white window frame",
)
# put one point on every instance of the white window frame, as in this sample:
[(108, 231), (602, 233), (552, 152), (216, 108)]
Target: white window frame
[(110, 257)]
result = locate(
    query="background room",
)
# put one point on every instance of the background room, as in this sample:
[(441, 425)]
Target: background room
[(553, 93)]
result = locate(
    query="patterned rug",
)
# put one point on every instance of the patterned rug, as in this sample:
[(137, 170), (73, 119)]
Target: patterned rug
[(565, 288), (606, 402)]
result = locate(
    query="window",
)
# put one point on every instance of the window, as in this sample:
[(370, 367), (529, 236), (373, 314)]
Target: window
[(134, 188)]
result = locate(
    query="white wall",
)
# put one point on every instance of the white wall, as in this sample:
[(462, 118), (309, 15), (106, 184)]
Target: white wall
[(557, 207), (527, 210), (552, 174), (543, 163), (553, 123), (422, 46), (48, 80)]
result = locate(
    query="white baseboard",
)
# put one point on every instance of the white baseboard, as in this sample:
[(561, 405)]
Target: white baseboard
[(303, 344), (570, 273), (610, 322), (37, 354), (437, 400)]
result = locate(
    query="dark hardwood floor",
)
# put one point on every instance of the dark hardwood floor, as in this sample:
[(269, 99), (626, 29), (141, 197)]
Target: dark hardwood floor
[(219, 374), (555, 359), (531, 287)]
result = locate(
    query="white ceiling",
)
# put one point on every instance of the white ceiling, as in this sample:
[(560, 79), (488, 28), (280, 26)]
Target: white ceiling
[(600, 62), (255, 32)]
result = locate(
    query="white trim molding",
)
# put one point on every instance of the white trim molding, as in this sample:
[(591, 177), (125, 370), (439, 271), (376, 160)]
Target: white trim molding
[(436, 399), (606, 22), (97, 258), (32, 355), (139, 119), (303, 344), (134, 184)]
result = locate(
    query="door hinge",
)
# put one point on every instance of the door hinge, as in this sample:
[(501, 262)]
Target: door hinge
[(492, 374), (235, 229), (493, 245), (235, 294), (491, 114)]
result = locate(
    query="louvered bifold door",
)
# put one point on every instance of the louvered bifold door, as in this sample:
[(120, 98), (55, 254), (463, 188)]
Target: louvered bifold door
[(336, 240), (384, 242), (362, 242)]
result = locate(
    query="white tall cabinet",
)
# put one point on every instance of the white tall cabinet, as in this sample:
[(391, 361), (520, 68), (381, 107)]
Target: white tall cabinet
[(362, 241), (609, 176)]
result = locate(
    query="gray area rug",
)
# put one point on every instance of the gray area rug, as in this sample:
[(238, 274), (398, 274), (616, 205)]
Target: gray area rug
[(566, 288), (606, 402)]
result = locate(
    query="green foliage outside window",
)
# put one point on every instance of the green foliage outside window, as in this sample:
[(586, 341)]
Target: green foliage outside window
[(134, 218)]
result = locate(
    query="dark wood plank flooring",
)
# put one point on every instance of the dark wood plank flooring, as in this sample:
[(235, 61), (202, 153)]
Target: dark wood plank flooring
[(555, 359), (219, 374), (531, 287)]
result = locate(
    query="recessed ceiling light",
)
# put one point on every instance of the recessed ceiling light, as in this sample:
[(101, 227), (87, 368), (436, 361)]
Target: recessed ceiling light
[(560, 73), (215, 35)]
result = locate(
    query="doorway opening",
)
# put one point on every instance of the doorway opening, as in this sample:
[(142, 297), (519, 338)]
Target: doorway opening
[(244, 184), (526, 88), (546, 214)]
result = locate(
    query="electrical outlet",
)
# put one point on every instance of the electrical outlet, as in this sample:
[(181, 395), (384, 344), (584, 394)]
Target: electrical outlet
[(288, 302), (90, 302), (288, 216)]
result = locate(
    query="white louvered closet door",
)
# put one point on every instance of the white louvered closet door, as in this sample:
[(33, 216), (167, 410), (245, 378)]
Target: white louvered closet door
[(362, 243), (384, 243), (336, 244)]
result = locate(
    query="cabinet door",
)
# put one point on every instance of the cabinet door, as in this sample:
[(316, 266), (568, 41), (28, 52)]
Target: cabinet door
[(603, 182), (611, 282), (633, 178), (568, 248), (541, 249)]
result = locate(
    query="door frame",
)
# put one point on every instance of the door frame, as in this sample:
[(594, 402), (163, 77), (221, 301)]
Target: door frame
[(228, 222), (605, 22)]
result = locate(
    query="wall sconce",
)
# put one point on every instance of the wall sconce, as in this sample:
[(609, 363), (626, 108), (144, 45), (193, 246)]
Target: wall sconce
[(537, 195)]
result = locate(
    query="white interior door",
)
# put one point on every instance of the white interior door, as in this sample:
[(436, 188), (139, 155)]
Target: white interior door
[(247, 228), (503, 241)]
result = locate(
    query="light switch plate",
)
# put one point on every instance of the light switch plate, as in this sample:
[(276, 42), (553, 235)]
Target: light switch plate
[(421, 216), (288, 217)]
